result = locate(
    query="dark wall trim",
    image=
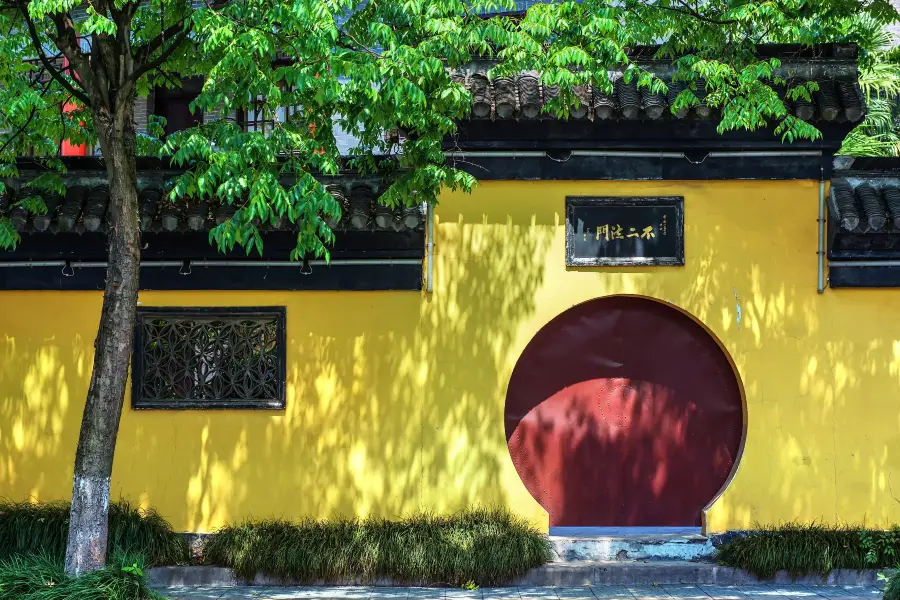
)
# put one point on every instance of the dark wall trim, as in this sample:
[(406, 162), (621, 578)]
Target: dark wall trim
[(334, 277), (851, 245), (195, 245), (699, 167), (868, 166), (667, 134), (96, 165), (864, 277)]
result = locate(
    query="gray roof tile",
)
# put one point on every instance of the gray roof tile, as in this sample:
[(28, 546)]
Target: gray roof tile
[(83, 209), (524, 97), (866, 205)]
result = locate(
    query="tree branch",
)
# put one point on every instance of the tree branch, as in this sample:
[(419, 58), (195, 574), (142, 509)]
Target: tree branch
[(359, 46), (15, 134), (691, 12), (100, 8), (100, 69), (168, 77), (56, 74), (24, 126), (143, 52), (159, 60), (67, 41), (123, 35)]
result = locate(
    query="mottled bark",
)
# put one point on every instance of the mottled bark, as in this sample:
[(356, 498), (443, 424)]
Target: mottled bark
[(88, 525)]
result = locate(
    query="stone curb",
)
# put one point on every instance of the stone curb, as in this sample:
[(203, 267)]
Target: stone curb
[(561, 574)]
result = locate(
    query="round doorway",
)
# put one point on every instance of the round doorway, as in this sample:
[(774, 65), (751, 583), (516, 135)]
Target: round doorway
[(624, 411)]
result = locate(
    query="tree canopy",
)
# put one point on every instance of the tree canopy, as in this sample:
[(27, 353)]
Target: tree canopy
[(371, 67), (879, 134)]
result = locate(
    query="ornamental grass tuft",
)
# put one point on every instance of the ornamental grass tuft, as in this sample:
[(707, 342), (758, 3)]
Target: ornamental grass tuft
[(802, 549), (41, 577), (892, 589), (483, 547), (42, 528)]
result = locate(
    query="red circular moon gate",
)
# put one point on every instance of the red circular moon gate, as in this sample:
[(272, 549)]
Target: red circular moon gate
[(624, 411)]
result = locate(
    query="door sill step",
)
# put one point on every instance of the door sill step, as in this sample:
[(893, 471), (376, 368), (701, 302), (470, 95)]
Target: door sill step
[(577, 532), (632, 547)]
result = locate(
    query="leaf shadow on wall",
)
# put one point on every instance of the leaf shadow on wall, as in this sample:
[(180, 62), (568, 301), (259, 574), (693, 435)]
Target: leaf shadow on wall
[(395, 400), (821, 373), (43, 385)]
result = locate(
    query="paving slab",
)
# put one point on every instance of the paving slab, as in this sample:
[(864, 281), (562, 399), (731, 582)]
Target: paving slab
[(686, 591), (611, 592), (569, 574), (722, 592), (648, 592), (388, 593), (575, 592), (504, 593), (781, 591), (454, 594), (303, 593), (595, 592), (846, 591), (193, 593), (538, 593), (417, 593)]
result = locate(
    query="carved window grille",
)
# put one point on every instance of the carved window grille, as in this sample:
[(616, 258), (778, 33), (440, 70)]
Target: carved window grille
[(190, 358)]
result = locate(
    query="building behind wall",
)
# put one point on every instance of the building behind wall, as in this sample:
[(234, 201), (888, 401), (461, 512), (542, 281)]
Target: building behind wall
[(690, 375)]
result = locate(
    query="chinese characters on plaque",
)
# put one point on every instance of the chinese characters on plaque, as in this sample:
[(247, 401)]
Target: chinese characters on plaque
[(624, 231), (615, 232)]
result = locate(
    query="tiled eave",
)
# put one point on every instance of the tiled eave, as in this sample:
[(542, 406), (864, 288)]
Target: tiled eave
[(523, 97), (866, 204), (83, 208), (864, 223)]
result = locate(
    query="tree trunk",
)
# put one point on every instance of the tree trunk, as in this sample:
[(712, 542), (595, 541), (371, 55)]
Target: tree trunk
[(88, 522)]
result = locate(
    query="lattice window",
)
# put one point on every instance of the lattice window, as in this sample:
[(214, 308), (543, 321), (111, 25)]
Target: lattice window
[(261, 118), (209, 358)]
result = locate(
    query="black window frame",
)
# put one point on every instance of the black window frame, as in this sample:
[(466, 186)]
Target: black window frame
[(255, 119), (258, 116), (278, 313), (169, 101)]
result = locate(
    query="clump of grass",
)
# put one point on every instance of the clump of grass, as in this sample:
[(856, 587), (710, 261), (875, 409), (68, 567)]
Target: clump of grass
[(802, 549), (42, 528), (474, 547), (41, 577), (892, 589)]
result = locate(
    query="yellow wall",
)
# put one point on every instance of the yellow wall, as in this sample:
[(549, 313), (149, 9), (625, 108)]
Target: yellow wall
[(395, 400)]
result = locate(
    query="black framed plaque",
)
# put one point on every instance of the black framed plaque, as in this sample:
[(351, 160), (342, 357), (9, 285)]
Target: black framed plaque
[(624, 231)]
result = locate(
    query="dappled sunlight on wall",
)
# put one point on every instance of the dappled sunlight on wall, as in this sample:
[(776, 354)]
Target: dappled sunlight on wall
[(391, 400), (820, 373), (44, 372), (395, 399)]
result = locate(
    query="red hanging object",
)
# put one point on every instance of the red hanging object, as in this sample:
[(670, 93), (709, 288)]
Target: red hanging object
[(68, 148)]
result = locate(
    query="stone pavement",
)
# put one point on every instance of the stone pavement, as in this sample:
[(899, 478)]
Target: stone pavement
[(612, 592)]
